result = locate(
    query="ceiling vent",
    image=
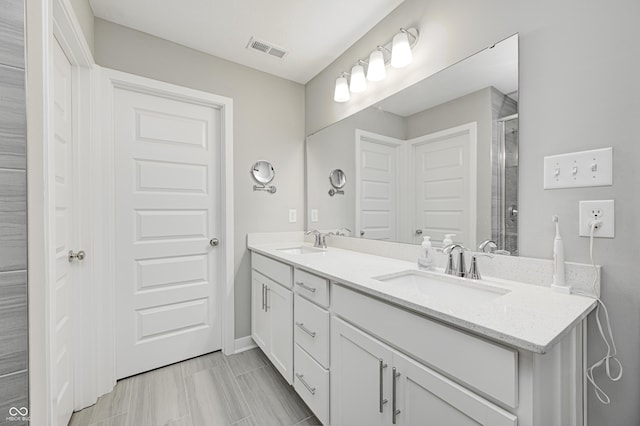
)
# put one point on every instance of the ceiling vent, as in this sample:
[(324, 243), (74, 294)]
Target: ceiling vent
[(267, 48)]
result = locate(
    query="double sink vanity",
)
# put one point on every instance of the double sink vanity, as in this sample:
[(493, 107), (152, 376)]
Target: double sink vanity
[(369, 339)]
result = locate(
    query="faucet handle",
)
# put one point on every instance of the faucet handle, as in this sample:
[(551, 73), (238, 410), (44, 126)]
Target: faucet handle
[(474, 270)]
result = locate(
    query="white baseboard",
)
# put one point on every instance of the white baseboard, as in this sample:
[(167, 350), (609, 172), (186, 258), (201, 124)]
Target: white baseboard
[(244, 344)]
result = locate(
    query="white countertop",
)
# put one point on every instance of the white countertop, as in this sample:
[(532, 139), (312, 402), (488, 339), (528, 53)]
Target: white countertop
[(528, 317)]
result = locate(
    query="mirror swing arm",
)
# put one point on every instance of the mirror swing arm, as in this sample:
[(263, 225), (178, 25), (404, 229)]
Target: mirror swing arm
[(263, 173), (270, 189)]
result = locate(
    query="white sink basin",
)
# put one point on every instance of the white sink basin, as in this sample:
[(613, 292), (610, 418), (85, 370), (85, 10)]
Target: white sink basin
[(301, 250), (443, 289)]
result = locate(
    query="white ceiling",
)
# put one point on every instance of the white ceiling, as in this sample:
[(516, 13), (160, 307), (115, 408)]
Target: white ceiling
[(496, 66), (314, 32)]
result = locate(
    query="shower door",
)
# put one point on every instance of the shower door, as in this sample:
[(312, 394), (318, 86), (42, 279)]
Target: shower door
[(506, 234)]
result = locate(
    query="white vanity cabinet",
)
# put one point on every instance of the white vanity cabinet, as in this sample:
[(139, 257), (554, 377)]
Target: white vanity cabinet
[(356, 356), (374, 384), (311, 337), (272, 312)]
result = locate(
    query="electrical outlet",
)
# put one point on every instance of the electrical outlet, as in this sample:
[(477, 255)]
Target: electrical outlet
[(293, 215), (602, 210), (314, 215)]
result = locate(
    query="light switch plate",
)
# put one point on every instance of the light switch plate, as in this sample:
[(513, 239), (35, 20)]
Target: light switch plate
[(293, 215), (314, 215), (602, 210), (579, 169)]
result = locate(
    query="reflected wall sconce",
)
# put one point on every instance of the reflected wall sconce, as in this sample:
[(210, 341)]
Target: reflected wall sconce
[(397, 53)]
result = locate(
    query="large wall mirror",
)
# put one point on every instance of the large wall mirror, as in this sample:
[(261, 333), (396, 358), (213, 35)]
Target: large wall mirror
[(440, 157)]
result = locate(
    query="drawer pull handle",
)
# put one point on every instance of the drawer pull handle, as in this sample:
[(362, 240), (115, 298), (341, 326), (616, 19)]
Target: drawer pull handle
[(394, 403), (382, 399), (306, 330), (266, 298), (306, 287), (306, 385)]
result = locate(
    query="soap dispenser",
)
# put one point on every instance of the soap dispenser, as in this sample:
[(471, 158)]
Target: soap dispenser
[(426, 258), (448, 239)]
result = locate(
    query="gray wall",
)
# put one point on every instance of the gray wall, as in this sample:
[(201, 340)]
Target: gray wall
[(13, 215), (334, 148), (268, 124), (579, 89)]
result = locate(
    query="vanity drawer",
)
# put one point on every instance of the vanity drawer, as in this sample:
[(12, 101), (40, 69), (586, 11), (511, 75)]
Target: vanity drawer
[(277, 271), (312, 287), (311, 329), (490, 368), (311, 382)]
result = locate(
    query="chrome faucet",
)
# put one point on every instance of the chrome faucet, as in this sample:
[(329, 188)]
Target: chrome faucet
[(452, 269), (493, 248), (488, 243), (319, 238)]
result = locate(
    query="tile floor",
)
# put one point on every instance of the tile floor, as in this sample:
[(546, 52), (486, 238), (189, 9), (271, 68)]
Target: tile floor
[(242, 389)]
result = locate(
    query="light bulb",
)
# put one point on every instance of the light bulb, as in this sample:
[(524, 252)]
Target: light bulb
[(358, 81), (376, 70), (401, 51), (341, 93)]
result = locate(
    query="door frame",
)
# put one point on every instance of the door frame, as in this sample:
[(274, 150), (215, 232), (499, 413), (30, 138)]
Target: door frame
[(104, 161), (46, 23), (366, 136)]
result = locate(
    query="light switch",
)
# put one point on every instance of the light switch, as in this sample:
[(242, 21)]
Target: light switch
[(579, 169), (314, 215), (293, 215)]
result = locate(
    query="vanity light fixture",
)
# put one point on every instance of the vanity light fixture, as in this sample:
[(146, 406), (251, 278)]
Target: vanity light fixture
[(397, 52), (358, 81), (341, 93), (376, 71), (401, 49)]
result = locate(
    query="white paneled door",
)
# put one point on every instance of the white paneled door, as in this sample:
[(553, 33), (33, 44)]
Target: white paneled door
[(167, 154), (378, 180), (444, 184), (61, 293)]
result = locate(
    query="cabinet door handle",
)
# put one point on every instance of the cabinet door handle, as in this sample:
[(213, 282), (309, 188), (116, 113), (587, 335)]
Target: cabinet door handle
[(306, 330), (263, 298), (266, 298), (394, 402), (382, 399), (306, 287), (306, 385)]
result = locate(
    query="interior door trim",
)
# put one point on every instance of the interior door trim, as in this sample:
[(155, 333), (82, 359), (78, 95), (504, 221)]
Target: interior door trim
[(112, 80)]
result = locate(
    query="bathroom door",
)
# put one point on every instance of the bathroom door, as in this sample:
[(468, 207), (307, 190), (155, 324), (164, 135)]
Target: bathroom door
[(444, 184), (167, 154)]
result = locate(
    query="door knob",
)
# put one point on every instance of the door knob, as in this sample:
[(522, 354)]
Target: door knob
[(418, 231), (79, 255), (214, 242)]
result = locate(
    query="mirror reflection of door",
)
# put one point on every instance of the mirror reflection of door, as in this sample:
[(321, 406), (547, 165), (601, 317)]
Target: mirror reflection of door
[(377, 177), (443, 178)]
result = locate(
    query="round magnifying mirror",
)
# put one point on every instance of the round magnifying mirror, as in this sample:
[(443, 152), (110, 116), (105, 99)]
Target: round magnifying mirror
[(263, 171), (337, 178)]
